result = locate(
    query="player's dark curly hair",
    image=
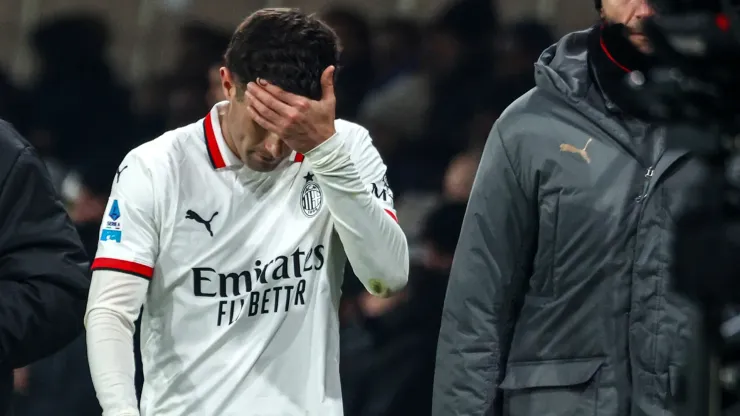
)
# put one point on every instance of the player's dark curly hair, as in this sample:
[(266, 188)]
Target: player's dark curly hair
[(285, 47)]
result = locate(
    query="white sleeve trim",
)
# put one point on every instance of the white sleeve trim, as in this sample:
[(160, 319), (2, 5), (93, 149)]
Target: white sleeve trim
[(113, 305)]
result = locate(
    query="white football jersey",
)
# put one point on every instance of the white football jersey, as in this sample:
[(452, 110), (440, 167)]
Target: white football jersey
[(245, 270)]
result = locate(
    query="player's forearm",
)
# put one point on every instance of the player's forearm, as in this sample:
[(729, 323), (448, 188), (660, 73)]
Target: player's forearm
[(112, 365), (373, 241), (113, 305)]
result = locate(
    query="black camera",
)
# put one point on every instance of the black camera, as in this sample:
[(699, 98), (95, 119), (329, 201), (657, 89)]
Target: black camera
[(694, 90), (697, 46)]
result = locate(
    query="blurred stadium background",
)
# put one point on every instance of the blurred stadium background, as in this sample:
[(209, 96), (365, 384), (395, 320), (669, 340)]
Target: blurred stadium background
[(144, 32), (87, 80)]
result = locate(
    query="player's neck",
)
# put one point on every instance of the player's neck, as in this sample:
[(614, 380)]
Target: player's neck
[(225, 131)]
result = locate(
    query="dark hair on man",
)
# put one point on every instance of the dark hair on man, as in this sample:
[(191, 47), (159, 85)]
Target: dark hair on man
[(285, 47)]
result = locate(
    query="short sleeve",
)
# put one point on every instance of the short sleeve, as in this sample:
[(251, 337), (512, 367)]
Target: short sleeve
[(129, 235), (372, 169)]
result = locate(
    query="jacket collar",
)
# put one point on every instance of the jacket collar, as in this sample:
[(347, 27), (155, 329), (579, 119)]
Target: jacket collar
[(611, 58)]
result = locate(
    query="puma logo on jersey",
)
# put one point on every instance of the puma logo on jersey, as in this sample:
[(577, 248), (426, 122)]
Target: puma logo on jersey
[(581, 152), (119, 172), (192, 215)]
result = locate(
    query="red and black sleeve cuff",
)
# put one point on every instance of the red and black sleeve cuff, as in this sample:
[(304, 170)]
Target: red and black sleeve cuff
[(136, 269), (392, 214)]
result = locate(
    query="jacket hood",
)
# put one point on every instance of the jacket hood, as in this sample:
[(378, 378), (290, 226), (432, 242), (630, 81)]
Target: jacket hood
[(563, 67)]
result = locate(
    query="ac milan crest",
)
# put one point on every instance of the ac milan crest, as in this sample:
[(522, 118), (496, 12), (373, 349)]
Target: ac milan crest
[(311, 197)]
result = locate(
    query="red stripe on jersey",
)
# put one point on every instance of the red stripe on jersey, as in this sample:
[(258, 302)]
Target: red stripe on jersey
[(103, 263), (298, 157), (395, 218), (217, 160)]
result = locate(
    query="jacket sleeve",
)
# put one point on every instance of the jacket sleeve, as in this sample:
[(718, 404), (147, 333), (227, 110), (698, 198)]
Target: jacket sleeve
[(43, 267), (487, 282)]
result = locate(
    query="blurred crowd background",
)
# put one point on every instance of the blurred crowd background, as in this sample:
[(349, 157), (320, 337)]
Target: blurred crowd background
[(87, 81)]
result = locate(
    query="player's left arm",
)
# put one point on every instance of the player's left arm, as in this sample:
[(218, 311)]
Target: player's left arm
[(348, 168), (352, 176)]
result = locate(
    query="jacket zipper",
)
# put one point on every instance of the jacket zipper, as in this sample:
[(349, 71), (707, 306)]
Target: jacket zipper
[(646, 185)]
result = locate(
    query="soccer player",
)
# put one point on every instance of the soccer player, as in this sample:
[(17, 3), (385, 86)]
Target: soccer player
[(233, 232)]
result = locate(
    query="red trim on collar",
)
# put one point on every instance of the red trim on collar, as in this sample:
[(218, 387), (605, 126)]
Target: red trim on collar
[(298, 158), (214, 153), (611, 58)]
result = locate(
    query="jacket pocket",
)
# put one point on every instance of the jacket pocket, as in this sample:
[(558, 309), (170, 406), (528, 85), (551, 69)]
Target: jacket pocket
[(552, 388), (542, 283)]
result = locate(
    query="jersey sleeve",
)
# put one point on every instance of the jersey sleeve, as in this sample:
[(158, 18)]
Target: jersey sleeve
[(129, 234), (351, 173), (372, 170)]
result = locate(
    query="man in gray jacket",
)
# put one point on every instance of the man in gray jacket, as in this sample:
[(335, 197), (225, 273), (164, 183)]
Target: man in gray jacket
[(559, 301)]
